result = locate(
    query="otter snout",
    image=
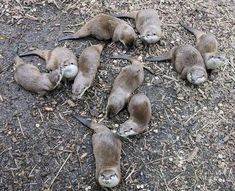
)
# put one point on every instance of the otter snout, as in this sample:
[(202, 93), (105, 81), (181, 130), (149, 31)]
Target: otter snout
[(150, 38)]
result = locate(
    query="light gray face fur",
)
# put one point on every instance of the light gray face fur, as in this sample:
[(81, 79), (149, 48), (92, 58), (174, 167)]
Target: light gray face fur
[(108, 178), (128, 128), (215, 62), (150, 38), (197, 76), (151, 35), (70, 71)]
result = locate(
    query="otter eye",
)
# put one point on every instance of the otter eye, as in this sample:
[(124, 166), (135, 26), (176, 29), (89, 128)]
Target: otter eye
[(154, 34), (71, 63)]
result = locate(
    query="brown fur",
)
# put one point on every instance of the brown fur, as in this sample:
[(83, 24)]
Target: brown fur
[(140, 113), (105, 27), (58, 57), (187, 61), (147, 23), (106, 149), (130, 78), (207, 45), (89, 62), (31, 79)]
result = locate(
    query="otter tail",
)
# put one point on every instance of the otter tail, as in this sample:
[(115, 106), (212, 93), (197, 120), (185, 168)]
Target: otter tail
[(167, 56), (131, 15), (121, 56), (41, 53), (83, 32), (83, 120), (195, 32)]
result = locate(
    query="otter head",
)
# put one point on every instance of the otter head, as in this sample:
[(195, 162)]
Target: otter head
[(197, 75), (152, 35), (108, 178), (80, 85), (128, 128), (125, 34), (70, 68), (115, 104), (214, 61)]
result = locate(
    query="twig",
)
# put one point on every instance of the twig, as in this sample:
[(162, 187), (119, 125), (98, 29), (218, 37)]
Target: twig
[(18, 119), (52, 182), (131, 173), (169, 182), (163, 177)]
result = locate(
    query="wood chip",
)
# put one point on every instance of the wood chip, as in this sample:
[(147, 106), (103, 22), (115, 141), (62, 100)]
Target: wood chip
[(193, 154)]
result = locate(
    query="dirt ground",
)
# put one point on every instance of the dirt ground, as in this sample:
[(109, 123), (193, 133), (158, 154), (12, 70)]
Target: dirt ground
[(190, 141)]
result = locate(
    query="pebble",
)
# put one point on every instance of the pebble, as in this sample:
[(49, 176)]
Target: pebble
[(221, 112), (220, 104), (155, 130), (156, 80)]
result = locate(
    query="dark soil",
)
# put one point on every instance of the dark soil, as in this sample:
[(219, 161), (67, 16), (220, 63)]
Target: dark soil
[(190, 142)]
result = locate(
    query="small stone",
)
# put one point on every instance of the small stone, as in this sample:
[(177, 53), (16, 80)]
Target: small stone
[(170, 159), (220, 156), (155, 130), (71, 103), (221, 112), (216, 108), (220, 104), (204, 108), (37, 125), (116, 125), (156, 80), (49, 109)]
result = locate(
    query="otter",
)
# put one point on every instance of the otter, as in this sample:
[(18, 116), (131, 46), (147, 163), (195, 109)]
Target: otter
[(147, 23), (139, 109), (129, 79), (89, 62), (207, 45), (107, 152), (106, 27), (58, 57), (187, 61), (31, 79)]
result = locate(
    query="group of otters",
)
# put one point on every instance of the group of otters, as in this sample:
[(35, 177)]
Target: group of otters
[(191, 63)]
